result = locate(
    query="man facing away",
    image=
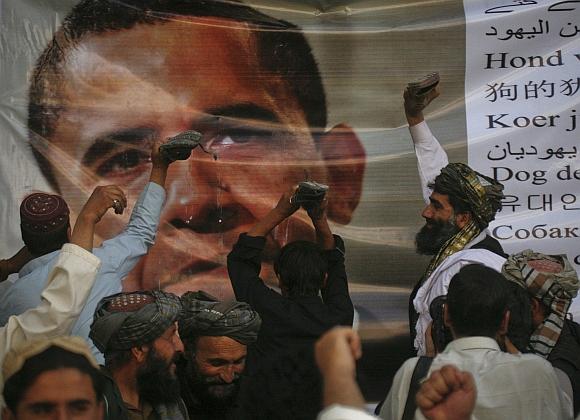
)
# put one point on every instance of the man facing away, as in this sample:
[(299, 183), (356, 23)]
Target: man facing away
[(137, 333), (45, 228), (460, 204), (448, 393), (314, 290), (53, 378), (522, 386), (215, 337)]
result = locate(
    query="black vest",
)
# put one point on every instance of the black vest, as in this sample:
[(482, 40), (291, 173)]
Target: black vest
[(566, 357)]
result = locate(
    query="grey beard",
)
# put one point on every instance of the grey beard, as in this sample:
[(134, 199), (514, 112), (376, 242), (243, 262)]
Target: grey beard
[(212, 390)]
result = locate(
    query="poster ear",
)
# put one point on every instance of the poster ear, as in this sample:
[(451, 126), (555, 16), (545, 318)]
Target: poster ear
[(344, 156)]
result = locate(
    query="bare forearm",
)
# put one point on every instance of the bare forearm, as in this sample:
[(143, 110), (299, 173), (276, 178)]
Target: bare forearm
[(269, 222), (324, 235), (343, 390), (158, 174), (83, 232)]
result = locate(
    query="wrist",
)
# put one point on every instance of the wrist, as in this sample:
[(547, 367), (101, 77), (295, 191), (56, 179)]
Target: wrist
[(279, 214), (88, 217), (8, 265), (414, 118)]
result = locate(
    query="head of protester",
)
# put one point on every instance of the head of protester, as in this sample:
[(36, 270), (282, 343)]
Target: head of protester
[(462, 204), (44, 223), (137, 333), (215, 336), (477, 303), (52, 378), (98, 98), (301, 269)]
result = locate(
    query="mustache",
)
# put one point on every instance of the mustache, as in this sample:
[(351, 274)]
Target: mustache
[(216, 380)]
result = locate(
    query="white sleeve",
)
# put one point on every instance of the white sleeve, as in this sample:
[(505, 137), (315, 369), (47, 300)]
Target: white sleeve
[(431, 157), (342, 412), (65, 294)]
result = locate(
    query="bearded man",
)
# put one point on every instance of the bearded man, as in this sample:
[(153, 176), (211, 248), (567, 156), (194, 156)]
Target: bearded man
[(460, 205), (215, 336), (137, 333)]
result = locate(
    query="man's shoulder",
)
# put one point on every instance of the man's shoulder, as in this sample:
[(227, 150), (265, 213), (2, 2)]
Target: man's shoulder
[(530, 365), (472, 256), (491, 244), (407, 368), (567, 348), (38, 266)]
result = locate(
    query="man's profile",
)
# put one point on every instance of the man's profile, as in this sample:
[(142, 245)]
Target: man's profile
[(118, 76)]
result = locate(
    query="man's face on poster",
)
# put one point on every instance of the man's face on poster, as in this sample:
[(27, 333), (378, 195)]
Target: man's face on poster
[(125, 89)]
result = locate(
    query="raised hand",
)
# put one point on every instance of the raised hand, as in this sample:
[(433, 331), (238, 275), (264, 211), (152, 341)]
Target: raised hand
[(448, 394)]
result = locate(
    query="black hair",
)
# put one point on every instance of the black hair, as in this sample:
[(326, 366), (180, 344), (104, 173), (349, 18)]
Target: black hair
[(53, 358), (115, 359), (301, 267), (520, 326), (44, 243), (477, 300), (440, 333), (459, 205), (282, 50)]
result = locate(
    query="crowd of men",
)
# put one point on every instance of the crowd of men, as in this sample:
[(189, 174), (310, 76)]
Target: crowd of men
[(491, 331)]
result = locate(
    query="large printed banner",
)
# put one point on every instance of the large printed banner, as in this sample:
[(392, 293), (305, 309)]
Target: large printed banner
[(283, 92), (522, 106)]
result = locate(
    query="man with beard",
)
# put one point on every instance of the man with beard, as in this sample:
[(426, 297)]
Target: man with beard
[(215, 336), (460, 205), (137, 333)]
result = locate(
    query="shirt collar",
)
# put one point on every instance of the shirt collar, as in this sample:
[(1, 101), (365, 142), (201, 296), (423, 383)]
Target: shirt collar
[(38, 262), (472, 343)]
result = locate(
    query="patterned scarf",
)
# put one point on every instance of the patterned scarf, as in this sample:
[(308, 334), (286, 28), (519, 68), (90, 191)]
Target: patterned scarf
[(553, 281), (480, 193)]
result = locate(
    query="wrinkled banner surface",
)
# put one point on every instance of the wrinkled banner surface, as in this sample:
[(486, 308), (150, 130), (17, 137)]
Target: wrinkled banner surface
[(81, 107)]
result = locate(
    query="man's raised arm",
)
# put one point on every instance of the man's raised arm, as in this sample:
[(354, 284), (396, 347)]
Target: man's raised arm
[(431, 157), (244, 262), (69, 282)]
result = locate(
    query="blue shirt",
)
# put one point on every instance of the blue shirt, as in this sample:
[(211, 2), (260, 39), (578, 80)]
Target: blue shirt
[(118, 256)]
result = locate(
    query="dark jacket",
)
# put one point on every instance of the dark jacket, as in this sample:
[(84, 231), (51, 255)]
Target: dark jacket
[(288, 323), (566, 357)]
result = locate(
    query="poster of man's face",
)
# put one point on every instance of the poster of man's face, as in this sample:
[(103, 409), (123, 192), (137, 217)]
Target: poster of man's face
[(281, 95), (118, 83)]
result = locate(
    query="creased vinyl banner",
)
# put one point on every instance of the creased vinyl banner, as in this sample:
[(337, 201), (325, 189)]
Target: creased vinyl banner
[(283, 92), (522, 99)]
